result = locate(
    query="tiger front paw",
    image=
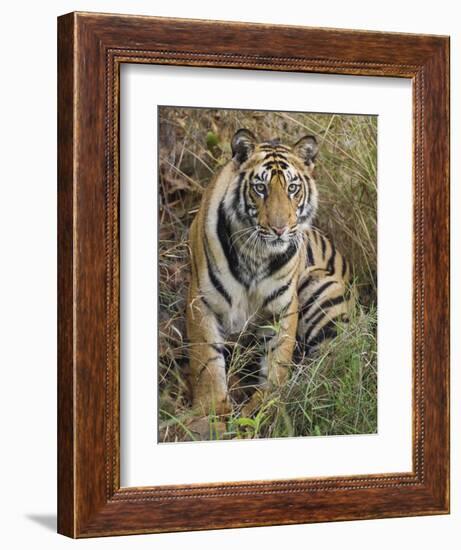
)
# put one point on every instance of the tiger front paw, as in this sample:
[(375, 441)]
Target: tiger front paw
[(206, 429), (207, 404)]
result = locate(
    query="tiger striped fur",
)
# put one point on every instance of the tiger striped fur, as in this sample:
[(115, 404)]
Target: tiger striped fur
[(258, 263)]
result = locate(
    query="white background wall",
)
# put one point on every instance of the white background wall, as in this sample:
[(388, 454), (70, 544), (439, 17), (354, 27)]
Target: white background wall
[(28, 270)]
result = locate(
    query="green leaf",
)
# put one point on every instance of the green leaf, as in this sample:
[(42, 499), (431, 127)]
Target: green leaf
[(211, 140), (245, 422)]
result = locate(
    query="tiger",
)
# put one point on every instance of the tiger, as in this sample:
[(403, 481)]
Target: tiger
[(258, 263)]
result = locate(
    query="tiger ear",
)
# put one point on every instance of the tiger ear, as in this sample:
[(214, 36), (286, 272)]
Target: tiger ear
[(243, 144), (306, 148)]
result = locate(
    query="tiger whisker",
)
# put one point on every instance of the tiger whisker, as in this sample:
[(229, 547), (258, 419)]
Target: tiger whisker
[(242, 233), (249, 245)]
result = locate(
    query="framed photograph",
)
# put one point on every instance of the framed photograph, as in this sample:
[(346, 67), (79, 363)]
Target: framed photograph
[(253, 275)]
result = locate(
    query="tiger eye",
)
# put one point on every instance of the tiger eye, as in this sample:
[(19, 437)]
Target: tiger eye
[(292, 187), (260, 187)]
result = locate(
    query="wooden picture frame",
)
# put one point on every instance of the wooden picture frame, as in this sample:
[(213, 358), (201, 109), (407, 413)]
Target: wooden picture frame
[(91, 48)]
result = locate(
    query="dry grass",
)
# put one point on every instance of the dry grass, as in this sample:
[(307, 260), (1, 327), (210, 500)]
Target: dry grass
[(335, 391)]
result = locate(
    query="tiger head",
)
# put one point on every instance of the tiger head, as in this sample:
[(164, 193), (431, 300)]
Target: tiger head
[(276, 192)]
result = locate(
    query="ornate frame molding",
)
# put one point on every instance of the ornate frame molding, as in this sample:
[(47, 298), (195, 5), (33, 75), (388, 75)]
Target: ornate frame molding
[(91, 49)]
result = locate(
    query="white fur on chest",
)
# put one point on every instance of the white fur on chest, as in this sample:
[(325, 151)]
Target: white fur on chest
[(246, 305), (238, 314)]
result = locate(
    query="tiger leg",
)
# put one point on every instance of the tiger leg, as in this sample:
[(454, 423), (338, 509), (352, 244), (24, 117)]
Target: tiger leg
[(207, 361), (279, 343)]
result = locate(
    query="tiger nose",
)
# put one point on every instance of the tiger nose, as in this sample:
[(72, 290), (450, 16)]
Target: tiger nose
[(279, 230)]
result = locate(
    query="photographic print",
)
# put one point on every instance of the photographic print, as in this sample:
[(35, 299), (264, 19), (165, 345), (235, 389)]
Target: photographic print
[(267, 256)]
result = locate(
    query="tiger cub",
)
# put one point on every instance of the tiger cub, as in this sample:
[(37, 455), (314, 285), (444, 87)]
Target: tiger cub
[(257, 263)]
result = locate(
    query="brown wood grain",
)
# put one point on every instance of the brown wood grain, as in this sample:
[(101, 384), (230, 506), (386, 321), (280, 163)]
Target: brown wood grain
[(91, 49), (66, 470)]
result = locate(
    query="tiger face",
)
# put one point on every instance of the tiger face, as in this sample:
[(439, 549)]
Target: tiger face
[(276, 193)]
